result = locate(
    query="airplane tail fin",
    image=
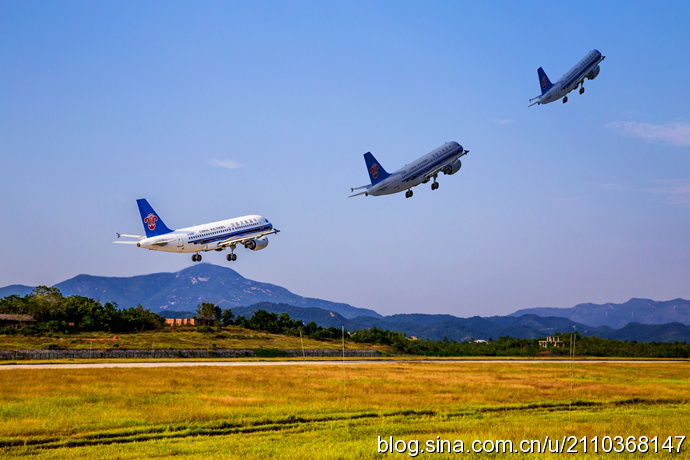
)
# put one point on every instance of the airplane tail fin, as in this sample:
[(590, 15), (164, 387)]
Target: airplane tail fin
[(376, 171), (153, 225), (544, 81)]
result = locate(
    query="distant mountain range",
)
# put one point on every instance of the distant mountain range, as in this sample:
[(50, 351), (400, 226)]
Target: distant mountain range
[(15, 289), (184, 290), (176, 294), (615, 315), (437, 327)]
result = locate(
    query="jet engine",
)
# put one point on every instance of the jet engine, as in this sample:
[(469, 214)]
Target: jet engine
[(257, 244), (593, 73), (453, 167)]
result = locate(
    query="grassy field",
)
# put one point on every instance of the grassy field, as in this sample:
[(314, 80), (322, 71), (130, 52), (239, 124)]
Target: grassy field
[(175, 338), (334, 411)]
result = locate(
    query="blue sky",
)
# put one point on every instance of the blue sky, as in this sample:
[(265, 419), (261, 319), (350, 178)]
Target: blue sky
[(212, 110)]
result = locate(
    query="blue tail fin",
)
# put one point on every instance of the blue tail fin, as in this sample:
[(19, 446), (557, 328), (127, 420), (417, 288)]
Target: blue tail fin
[(376, 171), (544, 81), (153, 225)]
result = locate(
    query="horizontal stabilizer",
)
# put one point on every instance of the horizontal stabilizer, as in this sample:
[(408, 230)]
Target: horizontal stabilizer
[(360, 193), (125, 242), (140, 237)]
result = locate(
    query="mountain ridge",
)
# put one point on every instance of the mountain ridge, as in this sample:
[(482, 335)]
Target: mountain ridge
[(644, 311), (187, 288), (440, 327), (174, 293)]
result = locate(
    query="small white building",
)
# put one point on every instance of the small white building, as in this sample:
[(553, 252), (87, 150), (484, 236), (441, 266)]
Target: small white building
[(551, 341)]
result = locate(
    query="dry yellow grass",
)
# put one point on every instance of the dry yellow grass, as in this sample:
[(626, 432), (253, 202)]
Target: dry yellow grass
[(271, 412)]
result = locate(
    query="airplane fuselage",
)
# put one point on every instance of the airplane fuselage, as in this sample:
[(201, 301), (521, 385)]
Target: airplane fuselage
[(586, 68), (250, 231), (416, 172), (208, 237)]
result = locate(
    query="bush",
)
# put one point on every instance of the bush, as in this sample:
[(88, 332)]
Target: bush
[(30, 331), (8, 330)]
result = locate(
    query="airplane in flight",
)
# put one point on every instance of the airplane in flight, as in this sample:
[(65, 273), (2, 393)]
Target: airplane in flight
[(588, 67), (249, 231), (445, 159)]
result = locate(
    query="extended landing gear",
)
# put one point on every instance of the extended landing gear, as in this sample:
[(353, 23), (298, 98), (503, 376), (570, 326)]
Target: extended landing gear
[(565, 99), (434, 186), (196, 258), (232, 256), (408, 194), (582, 90)]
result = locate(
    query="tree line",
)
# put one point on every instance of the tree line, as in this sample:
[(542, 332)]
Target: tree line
[(55, 313), (399, 343), (262, 320), (511, 346)]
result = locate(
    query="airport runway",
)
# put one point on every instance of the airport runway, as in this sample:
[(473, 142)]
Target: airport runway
[(73, 366)]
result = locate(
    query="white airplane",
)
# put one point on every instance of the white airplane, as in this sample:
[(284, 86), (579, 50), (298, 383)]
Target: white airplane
[(445, 159), (588, 67), (249, 231)]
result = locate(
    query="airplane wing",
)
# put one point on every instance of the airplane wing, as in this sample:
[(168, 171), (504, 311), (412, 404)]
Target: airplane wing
[(440, 168), (245, 239)]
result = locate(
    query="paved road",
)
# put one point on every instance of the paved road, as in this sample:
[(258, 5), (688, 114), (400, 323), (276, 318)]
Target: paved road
[(74, 366)]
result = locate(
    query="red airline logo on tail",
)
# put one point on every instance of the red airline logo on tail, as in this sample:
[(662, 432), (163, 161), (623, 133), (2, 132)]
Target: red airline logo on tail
[(151, 221), (543, 83), (374, 170)]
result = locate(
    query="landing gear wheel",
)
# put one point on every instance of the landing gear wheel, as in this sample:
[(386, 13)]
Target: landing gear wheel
[(565, 99), (408, 194), (193, 257), (231, 257), (582, 90), (434, 186)]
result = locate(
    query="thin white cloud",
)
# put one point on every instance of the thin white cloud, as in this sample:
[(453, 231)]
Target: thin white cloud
[(612, 187), (227, 164), (675, 133), (505, 121), (676, 191)]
